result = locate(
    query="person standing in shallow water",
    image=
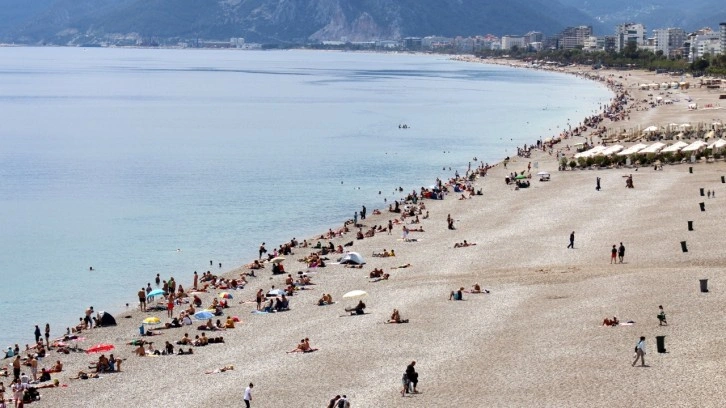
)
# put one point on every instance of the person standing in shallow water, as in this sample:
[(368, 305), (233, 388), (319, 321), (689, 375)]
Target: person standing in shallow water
[(572, 240)]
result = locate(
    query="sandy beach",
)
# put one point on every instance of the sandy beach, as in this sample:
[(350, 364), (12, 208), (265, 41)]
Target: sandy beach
[(535, 340)]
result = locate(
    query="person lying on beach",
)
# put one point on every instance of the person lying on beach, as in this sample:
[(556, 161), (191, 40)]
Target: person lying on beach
[(376, 273), (353, 266), (457, 295), (254, 265), (326, 299), (82, 375), (358, 309), (463, 244), (303, 347), (384, 254), (181, 351), (611, 322), (419, 229), (396, 317), (385, 276), (220, 370), (402, 266), (477, 289)]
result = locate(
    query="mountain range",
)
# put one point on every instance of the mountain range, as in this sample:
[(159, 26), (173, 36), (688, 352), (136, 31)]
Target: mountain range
[(298, 21)]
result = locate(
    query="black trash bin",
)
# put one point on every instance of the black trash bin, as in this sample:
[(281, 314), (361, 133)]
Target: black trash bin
[(690, 225), (703, 206), (690, 169), (660, 342), (704, 285), (702, 192), (683, 246)]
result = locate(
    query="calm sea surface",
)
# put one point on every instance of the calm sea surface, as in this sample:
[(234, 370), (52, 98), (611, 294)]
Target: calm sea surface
[(116, 158)]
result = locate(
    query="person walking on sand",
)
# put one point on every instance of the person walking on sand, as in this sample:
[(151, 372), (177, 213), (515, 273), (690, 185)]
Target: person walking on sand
[(597, 184), (412, 376), (37, 334), (248, 395), (662, 316), (390, 227), (572, 240), (640, 352), (613, 254), (621, 252), (262, 250)]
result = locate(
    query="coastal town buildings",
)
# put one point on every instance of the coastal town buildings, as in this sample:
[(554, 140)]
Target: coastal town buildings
[(722, 30), (669, 40), (574, 37), (629, 33)]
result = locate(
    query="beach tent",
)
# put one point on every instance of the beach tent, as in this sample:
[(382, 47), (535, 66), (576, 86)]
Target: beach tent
[(675, 147), (595, 150), (632, 149), (654, 148), (697, 145), (612, 150), (717, 144), (106, 319), (352, 258), (650, 129)]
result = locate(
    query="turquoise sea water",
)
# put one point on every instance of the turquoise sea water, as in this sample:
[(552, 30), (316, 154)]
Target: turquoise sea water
[(116, 158)]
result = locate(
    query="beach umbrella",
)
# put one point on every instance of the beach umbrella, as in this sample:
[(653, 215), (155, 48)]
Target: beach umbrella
[(151, 320), (225, 295), (277, 259), (650, 129), (203, 315), (100, 348), (520, 177), (355, 294), (155, 292)]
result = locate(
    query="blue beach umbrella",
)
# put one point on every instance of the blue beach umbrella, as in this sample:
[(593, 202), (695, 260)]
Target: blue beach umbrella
[(156, 292), (203, 315)]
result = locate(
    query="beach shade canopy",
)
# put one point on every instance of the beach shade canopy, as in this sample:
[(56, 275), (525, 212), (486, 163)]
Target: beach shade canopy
[(151, 320), (352, 258), (521, 177), (106, 319), (203, 315), (677, 146), (650, 129), (275, 292), (595, 150), (654, 148), (685, 126), (612, 149), (717, 144), (355, 294), (277, 259), (226, 295), (633, 149), (100, 348), (697, 145), (155, 292)]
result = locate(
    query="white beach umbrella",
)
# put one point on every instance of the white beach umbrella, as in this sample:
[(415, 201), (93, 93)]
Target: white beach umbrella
[(675, 147), (654, 148), (355, 294)]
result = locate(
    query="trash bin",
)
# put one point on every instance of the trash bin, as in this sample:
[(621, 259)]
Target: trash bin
[(702, 192), (660, 342), (704, 285), (703, 206), (723, 179), (690, 169), (683, 246), (690, 225)]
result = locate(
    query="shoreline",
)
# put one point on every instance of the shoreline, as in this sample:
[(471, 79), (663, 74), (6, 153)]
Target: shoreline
[(506, 276)]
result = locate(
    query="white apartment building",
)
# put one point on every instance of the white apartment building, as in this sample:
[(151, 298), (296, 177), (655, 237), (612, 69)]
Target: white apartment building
[(707, 43), (510, 41), (629, 33), (669, 40)]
